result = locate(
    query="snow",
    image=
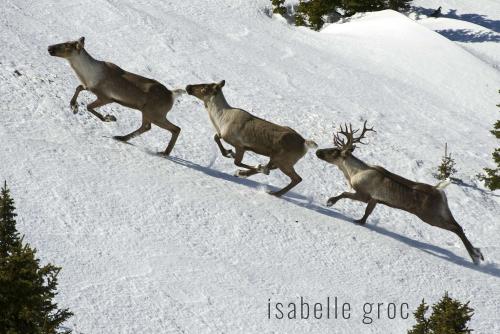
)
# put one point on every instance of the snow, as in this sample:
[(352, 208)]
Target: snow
[(485, 12), (155, 245), (468, 26)]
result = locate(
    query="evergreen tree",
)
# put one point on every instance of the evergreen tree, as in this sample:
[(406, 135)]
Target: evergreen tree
[(447, 166), (352, 7), (422, 325), (300, 18), (449, 316), (26, 289), (278, 7), (312, 13), (492, 177), (399, 5), (8, 233)]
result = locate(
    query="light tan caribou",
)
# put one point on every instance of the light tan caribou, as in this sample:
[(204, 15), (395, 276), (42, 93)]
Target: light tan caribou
[(374, 184), (246, 132), (111, 84)]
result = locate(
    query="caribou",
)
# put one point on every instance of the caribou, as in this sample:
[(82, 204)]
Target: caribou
[(374, 184), (111, 84), (246, 132)]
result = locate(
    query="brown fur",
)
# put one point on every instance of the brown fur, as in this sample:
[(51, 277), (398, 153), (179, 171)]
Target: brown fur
[(110, 83), (375, 184), (246, 132)]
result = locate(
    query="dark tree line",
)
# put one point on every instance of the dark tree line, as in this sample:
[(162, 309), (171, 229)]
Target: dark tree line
[(314, 13)]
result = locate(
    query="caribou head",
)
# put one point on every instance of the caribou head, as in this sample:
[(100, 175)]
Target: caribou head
[(344, 145)]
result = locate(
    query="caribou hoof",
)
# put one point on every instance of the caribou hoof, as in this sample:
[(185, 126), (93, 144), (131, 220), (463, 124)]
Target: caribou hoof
[(120, 138), (477, 257), (360, 221), (74, 107), (275, 193), (109, 118), (263, 169), (230, 154), (240, 173), (331, 201)]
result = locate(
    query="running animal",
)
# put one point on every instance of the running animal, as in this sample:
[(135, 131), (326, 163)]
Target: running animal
[(111, 84), (246, 132), (374, 184)]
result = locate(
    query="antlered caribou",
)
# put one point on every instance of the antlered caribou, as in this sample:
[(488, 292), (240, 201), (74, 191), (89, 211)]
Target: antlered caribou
[(374, 184)]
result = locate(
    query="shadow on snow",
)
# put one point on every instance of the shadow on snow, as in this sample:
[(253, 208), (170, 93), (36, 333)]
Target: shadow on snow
[(304, 202), (478, 19), (469, 36)]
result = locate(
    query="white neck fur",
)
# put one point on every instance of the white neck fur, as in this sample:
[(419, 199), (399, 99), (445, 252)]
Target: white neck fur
[(88, 69)]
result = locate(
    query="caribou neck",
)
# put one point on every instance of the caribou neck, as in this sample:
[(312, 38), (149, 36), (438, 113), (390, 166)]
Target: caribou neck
[(217, 102), (216, 106), (351, 166), (86, 67)]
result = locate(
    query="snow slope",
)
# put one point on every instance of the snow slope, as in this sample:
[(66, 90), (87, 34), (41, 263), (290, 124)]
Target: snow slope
[(485, 12), (473, 25), (178, 245), (480, 41)]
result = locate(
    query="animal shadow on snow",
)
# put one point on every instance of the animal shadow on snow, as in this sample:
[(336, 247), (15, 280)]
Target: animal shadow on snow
[(473, 186), (478, 19), (227, 177), (489, 268), (486, 268), (306, 203), (468, 36)]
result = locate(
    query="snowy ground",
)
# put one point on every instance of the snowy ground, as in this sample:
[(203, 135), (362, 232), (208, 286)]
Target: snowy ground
[(154, 245), (474, 25)]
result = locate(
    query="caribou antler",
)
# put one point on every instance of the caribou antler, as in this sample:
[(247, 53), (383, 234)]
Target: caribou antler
[(348, 133)]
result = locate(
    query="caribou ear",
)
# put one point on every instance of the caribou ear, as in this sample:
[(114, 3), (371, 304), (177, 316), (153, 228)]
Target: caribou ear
[(345, 153), (221, 84), (81, 43)]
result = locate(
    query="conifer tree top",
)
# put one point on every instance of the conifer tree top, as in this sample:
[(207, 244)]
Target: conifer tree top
[(9, 237), (26, 288)]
